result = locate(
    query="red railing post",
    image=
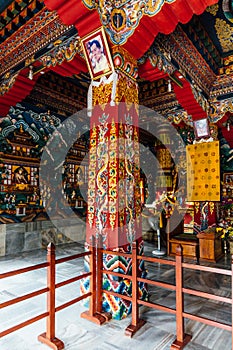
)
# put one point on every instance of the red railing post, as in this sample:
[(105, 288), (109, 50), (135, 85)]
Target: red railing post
[(48, 337), (136, 323), (51, 277), (135, 306), (181, 338), (92, 306), (94, 314), (99, 274)]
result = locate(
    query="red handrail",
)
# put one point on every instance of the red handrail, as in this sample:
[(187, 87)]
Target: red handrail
[(49, 336), (181, 338), (95, 312)]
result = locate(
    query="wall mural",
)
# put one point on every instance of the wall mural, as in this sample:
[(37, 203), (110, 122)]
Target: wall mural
[(23, 135)]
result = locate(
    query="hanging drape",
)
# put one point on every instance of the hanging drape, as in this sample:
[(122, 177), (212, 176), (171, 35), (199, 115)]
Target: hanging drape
[(20, 89), (70, 68), (186, 99), (151, 73)]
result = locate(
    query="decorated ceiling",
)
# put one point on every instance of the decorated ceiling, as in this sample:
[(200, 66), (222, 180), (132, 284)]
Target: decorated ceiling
[(184, 51)]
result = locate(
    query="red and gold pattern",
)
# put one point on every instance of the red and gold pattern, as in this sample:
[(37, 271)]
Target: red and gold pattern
[(205, 214), (101, 94), (112, 178), (125, 62), (114, 204), (92, 176), (114, 199), (127, 90), (112, 191)]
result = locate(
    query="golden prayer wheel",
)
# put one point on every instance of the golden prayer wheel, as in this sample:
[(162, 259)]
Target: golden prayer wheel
[(164, 176)]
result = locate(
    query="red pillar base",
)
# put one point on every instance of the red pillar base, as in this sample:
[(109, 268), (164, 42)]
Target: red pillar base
[(98, 318), (131, 329), (54, 343), (180, 345)]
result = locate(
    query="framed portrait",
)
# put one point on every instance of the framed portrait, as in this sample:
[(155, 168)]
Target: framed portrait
[(80, 174), (228, 178), (20, 211), (201, 128), (97, 54)]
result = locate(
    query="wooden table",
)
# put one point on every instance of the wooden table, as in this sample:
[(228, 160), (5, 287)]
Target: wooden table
[(210, 245)]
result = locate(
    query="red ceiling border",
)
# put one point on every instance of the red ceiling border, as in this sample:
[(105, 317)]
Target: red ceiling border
[(21, 88), (85, 20)]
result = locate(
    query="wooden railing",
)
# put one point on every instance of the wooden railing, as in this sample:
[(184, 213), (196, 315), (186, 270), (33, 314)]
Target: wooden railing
[(136, 323), (96, 273), (49, 336)]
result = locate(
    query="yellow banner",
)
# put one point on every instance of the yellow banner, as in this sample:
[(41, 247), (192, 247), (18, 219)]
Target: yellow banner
[(203, 171)]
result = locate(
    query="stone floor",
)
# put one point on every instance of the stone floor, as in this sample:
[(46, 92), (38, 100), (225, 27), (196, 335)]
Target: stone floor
[(77, 333)]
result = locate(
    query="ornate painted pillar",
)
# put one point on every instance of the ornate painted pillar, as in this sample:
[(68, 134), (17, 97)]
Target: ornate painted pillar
[(114, 198), (114, 170)]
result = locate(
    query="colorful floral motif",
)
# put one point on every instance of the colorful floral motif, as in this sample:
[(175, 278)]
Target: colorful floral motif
[(113, 175), (62, 51), (120, 18)]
